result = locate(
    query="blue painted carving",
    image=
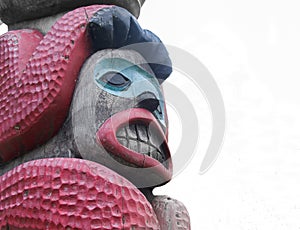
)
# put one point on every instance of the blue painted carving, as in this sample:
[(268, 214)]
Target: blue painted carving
[(115, 27)]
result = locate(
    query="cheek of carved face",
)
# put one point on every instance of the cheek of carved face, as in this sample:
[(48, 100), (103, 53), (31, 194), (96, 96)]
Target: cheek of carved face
[(119, 118)]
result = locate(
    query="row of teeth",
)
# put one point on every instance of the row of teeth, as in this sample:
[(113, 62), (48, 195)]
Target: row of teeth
[(138, 138)]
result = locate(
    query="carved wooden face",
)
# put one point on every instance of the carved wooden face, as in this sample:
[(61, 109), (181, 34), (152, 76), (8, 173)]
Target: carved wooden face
[(119, 117)]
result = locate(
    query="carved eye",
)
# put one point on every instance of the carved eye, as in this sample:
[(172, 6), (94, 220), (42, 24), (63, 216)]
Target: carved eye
[(115, 80)]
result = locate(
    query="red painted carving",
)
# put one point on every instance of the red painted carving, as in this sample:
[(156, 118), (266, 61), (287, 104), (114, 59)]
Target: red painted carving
[(36, 93), (71, 194), (37, 79)]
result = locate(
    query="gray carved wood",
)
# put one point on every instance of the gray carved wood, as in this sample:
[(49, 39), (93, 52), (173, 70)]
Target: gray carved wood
[(13, 11)]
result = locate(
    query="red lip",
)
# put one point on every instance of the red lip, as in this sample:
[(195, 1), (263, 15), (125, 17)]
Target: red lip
[(106, 136)]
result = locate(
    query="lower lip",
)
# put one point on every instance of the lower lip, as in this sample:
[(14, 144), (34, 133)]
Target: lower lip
[(106, 136)]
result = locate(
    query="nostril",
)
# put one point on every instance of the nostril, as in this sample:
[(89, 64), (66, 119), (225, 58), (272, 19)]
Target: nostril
[(150, 104), (147, 100)]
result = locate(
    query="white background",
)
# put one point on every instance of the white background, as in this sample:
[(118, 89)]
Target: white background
[(252, 50)]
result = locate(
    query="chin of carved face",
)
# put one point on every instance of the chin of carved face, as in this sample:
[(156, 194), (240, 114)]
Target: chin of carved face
[(119, 118)]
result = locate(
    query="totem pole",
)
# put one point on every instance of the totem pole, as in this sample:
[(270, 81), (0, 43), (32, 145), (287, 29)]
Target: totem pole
[(83, 123)]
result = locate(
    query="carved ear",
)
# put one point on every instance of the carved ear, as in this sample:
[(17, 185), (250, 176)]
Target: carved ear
[(116, 28)]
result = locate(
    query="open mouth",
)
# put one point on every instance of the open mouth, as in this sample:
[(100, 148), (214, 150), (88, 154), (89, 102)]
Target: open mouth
[(143, 139), (135, 137)]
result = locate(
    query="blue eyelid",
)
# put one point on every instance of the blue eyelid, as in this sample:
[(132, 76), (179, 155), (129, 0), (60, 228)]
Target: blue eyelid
[(106, 82)]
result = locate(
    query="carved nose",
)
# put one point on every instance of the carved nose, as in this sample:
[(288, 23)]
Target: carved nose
[(147, 101)]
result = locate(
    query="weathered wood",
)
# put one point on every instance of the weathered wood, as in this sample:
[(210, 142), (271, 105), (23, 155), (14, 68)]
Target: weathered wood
[(13, 11), (171, 213), (138, 152)]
